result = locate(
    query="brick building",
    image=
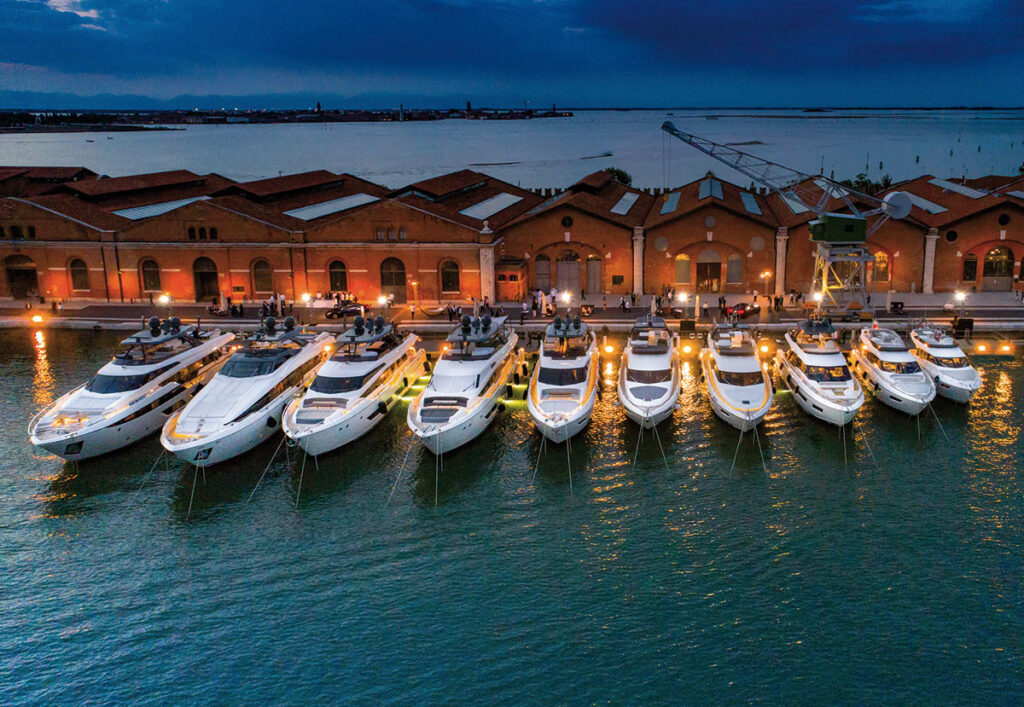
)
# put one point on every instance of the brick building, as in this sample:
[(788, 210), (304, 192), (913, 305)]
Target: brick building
[(64, 233)]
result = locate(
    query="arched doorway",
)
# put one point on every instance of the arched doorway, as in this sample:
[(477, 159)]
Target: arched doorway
[(682, 274), (543, 273), (594, 275), (569, 272), (204, 276), (392, 279), (709, 271), (997, 270), (22, 278)]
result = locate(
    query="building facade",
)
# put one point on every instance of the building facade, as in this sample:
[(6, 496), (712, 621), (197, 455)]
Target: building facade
[(69, 235)]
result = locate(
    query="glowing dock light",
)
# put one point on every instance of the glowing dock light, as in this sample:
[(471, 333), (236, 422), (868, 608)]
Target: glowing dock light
[(381, 300), (38, 319), (960, 295), (305, 298), (1005, 348), (687, 348), (683, 297), (817, 297), (164, 300), (982, 348), (566, 297), (609, 348), (764, 348)]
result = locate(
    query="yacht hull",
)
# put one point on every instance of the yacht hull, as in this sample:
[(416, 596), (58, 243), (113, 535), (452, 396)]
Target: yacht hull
[(912, 403), (231, 441), (814, 404), (651, 416), (743, 419), (339, 430), (957, 391), (116, 435), (564, 427)]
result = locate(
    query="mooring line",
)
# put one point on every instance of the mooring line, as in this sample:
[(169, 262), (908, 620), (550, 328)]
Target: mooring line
[(272, 458)]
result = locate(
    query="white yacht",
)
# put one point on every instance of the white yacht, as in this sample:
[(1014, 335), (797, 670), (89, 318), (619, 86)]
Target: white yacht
[(940, 357), (812, 366), (738, 387), (467, 384), (241, 406), (881, 357), (158, 370), (356, 388), (649, 372), (564, 384)]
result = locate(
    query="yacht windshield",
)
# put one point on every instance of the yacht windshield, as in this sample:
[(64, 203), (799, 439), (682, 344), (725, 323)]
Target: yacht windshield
[(948, 361), (899, 366), (249, 367), (105, 384), (562, 376), (660, 376), (828, 374), (339, 384), (742, 379)]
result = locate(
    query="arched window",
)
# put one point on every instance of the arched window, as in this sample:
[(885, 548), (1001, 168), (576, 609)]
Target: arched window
[(391, 233), (150, 274), (202, 233), (191, 233), (213, 234), (734, 269), (682, 269), (449, 277), (998, 262), (970, 273), (16, 232), (79, 275), (881, 267), (569, 256), (32, 232), (402, 234), (2, 234), (262, 279), (339, 276)]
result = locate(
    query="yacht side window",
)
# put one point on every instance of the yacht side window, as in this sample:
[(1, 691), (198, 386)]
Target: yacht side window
[(104, 384)]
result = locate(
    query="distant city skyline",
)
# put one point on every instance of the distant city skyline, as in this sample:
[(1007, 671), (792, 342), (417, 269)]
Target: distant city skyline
[(600, 53)]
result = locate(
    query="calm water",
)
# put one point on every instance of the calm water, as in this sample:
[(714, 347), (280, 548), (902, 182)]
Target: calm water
[(557, 152), (813, 581)]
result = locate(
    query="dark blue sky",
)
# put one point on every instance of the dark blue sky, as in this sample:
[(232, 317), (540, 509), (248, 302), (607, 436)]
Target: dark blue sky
[(575, 52)]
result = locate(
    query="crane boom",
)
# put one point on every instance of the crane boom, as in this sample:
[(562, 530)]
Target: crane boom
[(841, 259)]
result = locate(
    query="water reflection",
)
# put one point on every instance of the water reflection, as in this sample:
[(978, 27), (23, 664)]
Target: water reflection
[(43, 381)]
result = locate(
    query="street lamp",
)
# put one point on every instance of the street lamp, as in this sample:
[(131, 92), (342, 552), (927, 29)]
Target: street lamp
[(766, 276), (164, 300), (381, 301), (567, 299), (305, 298), (682, 300), (961, 297)]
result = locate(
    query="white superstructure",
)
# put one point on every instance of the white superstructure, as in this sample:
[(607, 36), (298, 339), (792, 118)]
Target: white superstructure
[(467, 384), (159, 370), (737, 384), (946, 363), (242, 404), (882, 359), (649, 372), (355, 388), (564, 384), (812, 366)]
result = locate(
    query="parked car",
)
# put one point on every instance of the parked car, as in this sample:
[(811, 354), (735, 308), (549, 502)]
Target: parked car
[(743, 310), (345, 309)]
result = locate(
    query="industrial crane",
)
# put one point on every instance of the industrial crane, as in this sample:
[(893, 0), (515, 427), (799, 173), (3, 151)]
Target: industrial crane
[(840, 258)]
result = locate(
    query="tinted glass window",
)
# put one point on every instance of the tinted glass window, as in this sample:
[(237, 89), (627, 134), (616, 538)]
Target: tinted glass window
[(248, 367), (101, 383), (562, 376), (748, 378), (635, 376), (338, 384), (828, 374)]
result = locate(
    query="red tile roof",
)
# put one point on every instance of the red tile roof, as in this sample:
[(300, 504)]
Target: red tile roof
[(449, 195), (78, 210), (957, 206), (447, 184), (276, 187), (689, 201), (108, 186), (597, 194)]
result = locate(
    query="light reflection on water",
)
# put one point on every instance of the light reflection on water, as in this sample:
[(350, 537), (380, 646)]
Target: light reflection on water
[(811, 580)]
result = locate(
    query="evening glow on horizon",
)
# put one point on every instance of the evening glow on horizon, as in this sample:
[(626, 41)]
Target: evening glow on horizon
[(507, 52)]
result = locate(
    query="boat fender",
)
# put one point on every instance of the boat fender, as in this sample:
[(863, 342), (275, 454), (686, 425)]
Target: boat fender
[(526, 369), (515, 377), (271, 422), (426, 365), (382, 408), (501, 407), (701, 377), (508, 391), (405, 381)]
